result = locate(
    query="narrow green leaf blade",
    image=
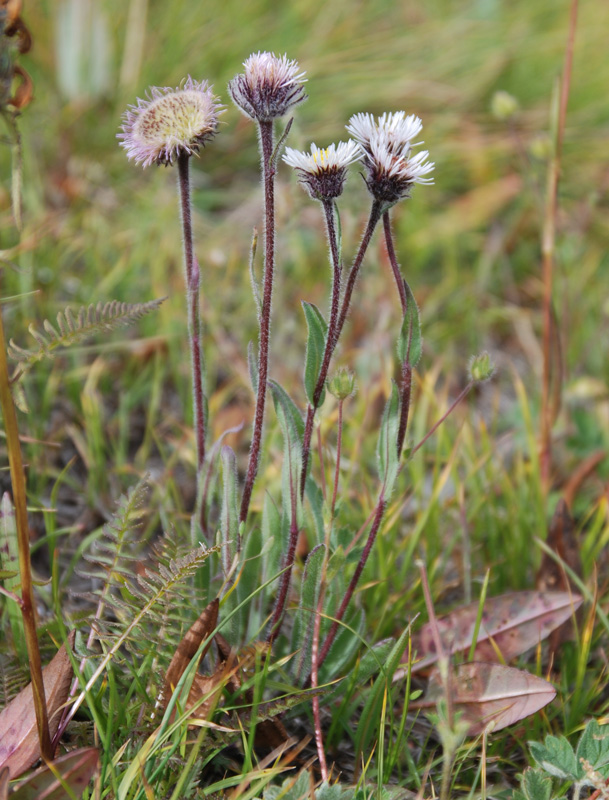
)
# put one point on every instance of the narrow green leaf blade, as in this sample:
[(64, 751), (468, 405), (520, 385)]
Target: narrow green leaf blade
[(316, 342), (387, 454), (410, 343)]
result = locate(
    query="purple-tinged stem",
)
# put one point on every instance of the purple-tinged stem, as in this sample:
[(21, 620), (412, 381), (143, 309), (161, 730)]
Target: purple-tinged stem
[(444, 416), (549, 404), (406, 372), (268, 176), (319, 741), (397, 274), (331, 337), (338, 449), (376, 524), (193, 283), (375, 215), (334, 330)]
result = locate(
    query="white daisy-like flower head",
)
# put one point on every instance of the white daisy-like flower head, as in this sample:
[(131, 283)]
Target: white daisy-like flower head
[(323, 171), (268, 87), (170, 122), (397, 127), (390, 169)]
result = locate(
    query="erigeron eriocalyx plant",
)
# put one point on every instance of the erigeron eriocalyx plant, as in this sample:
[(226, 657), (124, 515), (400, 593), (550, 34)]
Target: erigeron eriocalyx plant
[(170, 127)]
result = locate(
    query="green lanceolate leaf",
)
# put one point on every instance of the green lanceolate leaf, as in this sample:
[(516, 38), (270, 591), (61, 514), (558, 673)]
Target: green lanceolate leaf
[(254, 280), (288, 414), (229, 525), (348, 641), (249, 580), (272, 541), (372, 661), (372, 710), (316, 342), (410, 342), (292, 428), (252, 365), (302, 636), (387, 455)]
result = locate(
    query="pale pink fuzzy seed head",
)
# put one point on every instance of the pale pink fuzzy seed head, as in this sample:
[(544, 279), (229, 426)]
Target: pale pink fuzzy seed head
[(268, 86), (170, 122)]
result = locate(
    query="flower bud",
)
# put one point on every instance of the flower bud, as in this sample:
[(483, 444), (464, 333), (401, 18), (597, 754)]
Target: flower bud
[(481, 368), (342, 384), (503, 106)]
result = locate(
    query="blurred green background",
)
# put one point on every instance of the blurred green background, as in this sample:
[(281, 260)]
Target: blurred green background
[(97, 227)]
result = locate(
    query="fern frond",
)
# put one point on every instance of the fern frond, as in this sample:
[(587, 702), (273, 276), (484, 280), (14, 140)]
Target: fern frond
[(71, 329), (155, 590), (111, 557)]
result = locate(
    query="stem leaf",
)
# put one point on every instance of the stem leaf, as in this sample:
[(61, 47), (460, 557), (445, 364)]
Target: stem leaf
[(316, 342), (387, 455), (252, 364), (410, 343)]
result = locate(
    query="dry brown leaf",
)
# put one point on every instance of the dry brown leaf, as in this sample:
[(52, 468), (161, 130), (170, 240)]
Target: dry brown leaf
[(24, 91), (187, 648), (270, 733), (19, 746), (486, 693), (76, 770), (511, 624), (4, 779), (204, 694)]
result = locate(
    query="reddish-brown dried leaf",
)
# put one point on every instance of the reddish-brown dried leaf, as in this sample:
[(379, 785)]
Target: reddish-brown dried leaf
[(188, 647), (4, 779), (19, 745), (270, 733), (486, 693), (511, 624), (205, 693), (76, 770)]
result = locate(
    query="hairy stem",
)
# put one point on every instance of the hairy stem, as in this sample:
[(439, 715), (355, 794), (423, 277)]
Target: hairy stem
[(268, 176), (331, 337), (332, 340), (319, 741), (376, 524), (549, 404), (406, 371), (444, 416), (375, 215), (193, 283), (397, 274), (23, 539)]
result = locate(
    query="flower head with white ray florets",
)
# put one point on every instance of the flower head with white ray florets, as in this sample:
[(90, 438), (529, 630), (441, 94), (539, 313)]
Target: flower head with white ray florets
[(323, 172), (268, 87), (170, 122), (391, 171)]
